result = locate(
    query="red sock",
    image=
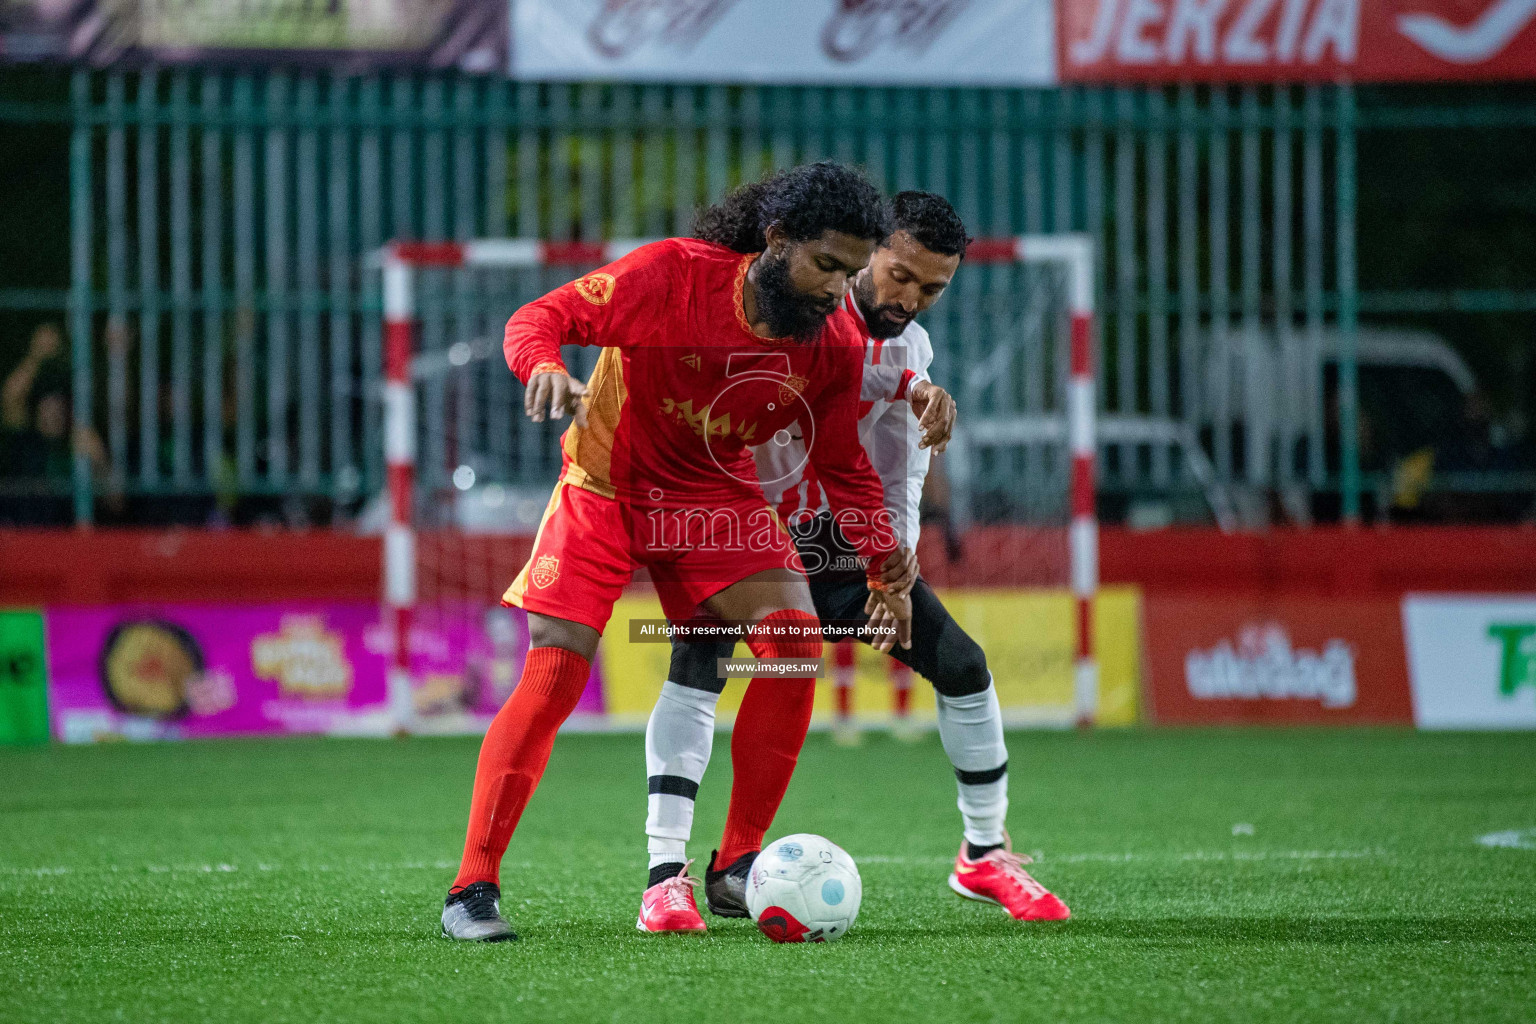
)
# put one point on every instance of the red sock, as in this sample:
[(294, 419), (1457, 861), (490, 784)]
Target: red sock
[(513, 755), (901, 686), (843, 667), (770, 729), (844, 700)]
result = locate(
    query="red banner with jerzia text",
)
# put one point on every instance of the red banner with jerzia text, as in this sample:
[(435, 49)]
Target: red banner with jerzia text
[(1221, 659), (1295, 40)]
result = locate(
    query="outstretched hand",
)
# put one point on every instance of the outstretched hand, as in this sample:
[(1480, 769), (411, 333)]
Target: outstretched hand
[(935, 412), (552, 395)]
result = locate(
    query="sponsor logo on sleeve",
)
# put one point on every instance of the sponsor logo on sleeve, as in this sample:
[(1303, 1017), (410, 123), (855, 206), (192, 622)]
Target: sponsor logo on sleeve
[(596, 288)]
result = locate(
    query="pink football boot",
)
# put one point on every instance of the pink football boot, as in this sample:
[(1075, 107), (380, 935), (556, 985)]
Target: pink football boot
[(999, 877)]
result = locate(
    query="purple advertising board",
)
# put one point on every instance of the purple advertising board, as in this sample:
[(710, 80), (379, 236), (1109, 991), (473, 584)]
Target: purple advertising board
[(466, 659), (170, 671), (345, 35)]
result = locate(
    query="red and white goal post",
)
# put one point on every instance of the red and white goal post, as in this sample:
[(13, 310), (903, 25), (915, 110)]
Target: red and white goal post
[(403, 263)]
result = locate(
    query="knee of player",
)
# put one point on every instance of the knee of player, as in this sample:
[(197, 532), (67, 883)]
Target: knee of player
[(787, 634), (807, 649), (807, 644), (695, 666), (963, 669)]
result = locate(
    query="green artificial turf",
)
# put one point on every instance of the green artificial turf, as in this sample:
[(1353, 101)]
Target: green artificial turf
[(301, 881)]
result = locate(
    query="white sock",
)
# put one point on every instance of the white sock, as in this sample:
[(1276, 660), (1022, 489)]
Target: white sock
[(971, 729), (678, 740), (665, 851)]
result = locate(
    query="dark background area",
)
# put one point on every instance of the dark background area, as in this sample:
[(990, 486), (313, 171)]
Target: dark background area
[(1454, 209), (1446, 214), (34, 201)]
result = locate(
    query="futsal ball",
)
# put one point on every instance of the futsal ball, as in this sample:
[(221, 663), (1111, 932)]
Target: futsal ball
[(804, 888)]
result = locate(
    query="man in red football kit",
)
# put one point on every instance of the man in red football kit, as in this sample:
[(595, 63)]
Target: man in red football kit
[(705, 352)]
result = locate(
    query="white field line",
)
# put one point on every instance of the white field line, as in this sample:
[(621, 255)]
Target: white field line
[(1038, 857), (1514, 839), (258, 867)]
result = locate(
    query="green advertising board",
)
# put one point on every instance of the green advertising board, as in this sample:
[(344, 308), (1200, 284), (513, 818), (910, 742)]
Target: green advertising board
[(23, 679)]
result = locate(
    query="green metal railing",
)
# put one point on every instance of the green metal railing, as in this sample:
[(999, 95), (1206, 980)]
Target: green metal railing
[(225, 335)]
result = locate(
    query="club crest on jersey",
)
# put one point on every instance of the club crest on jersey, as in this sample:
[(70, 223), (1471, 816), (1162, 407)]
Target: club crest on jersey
[(596, 288), (545, 571), (790, 388)]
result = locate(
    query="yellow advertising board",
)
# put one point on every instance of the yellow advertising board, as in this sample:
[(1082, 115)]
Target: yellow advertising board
[(1027, 634)]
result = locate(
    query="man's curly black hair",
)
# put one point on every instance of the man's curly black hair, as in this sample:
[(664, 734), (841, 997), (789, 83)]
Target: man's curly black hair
[(803, 201), (931, 222)]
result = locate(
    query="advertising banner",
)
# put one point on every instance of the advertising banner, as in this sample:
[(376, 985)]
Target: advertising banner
[(857, 42), (23, 678), (181, 671), (920, 42), (465, 662), (1214, 659), (1472, 660), (1295, 40), (469, 35), (172, 671)]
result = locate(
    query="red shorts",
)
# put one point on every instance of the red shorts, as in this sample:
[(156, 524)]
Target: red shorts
[(588, 547)]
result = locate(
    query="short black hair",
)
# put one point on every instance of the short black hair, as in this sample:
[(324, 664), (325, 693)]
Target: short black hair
[(931, 222), (803, 201)]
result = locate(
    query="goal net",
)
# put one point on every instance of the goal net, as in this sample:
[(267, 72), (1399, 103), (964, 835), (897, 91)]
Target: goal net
[(1008, 537)]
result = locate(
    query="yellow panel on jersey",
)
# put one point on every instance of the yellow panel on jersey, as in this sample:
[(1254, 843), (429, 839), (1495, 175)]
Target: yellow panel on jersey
[(589, 449), (514, 594)]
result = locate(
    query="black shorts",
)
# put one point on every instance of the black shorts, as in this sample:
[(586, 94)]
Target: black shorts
[(941, 651)]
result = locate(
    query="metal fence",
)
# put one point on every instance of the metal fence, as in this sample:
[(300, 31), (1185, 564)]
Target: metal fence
[(225, 332)]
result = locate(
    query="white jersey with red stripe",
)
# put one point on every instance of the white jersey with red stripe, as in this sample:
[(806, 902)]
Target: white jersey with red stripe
[(887, 429)]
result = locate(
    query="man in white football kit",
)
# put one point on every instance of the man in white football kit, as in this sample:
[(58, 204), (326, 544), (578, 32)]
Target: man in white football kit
[(906, 275)]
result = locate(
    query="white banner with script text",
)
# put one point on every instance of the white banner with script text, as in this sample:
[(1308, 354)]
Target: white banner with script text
[(863, 42)]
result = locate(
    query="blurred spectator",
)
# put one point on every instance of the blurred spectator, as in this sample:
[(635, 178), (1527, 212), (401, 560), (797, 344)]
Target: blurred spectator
[(938, 509), (37, 446)]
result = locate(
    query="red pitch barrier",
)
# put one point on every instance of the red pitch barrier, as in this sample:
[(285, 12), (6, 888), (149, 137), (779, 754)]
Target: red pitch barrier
[(90, 567), (1398, 626)]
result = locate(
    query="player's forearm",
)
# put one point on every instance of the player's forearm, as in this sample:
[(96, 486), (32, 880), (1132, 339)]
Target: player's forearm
[(919, 461), (863, 519), (885, 382), (532, 342), (893, 448), (856, 496), (853, 488)]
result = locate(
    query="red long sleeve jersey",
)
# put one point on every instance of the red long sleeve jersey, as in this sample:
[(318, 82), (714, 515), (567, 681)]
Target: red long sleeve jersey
[(683, 388)]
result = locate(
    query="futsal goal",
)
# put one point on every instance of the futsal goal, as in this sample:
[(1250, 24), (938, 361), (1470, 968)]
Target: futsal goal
[(1013, 546)]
